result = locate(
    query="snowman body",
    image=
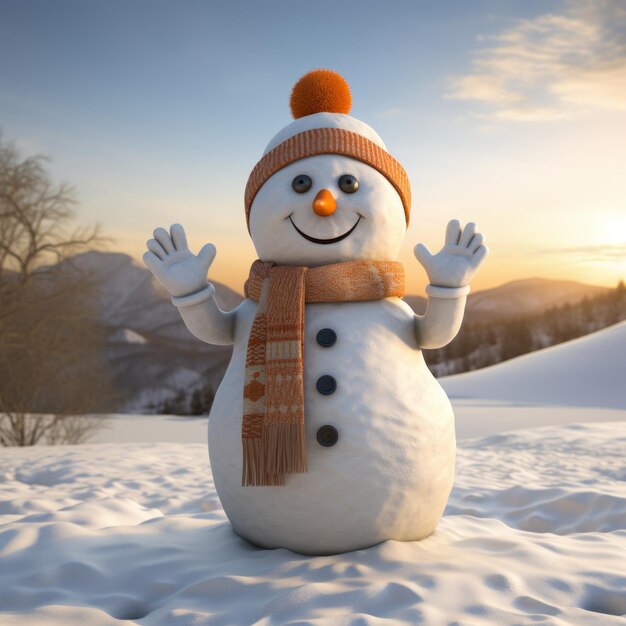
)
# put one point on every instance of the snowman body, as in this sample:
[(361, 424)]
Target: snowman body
[(389, 474)]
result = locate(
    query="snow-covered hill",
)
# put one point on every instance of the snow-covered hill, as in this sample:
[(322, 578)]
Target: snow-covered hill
[(528, 295), (585, 372), (534, 532), (132, 298), (518, 298), (154, 356), (115, 534), (150, 350)]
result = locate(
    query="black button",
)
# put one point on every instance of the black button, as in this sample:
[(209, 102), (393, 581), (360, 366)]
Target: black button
[(326, 385), (327, 436), (326, 337)]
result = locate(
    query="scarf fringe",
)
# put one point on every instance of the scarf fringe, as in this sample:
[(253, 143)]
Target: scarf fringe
[(281, 451), (254, 473), (285, 448)]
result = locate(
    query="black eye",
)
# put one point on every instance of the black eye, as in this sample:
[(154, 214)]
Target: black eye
[(301, 183), (348, 183)]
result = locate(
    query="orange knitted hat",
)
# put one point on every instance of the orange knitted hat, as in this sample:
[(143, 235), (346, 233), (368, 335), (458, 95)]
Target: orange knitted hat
[(326, 92)]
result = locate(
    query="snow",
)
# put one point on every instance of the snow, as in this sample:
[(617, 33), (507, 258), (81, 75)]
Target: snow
[(121, 428), (134, 534), (474, 418), (480, 418), (584, 372), (130, 530)]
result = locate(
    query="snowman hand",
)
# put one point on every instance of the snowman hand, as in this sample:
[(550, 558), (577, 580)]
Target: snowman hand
[(456, 263), (179, 270)]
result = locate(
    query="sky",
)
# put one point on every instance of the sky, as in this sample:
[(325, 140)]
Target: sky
[(509, 114)]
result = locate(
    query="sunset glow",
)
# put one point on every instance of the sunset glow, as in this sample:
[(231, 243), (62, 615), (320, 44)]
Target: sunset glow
[(512, 116)]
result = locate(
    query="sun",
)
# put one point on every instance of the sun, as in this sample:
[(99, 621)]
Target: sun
[(610, 230)]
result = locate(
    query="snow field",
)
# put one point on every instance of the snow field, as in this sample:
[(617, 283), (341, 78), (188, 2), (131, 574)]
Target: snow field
[(134, 534), (534, 532), (585, 372)]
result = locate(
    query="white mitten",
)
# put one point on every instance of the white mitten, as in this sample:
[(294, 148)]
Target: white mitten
[(179, 270), (456, 263)]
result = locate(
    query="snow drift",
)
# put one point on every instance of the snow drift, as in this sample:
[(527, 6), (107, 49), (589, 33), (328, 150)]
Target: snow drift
[(585, 372), (110, 534), (534, 532)]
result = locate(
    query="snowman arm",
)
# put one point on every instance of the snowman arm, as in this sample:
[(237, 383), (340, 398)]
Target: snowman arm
[(204, 318), (443, 317)]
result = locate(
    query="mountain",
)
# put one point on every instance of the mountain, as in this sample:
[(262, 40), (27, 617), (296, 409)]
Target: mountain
[(130, 296), (150, 350), (519, 297), (588, 372), (155, 358), (529, 295)]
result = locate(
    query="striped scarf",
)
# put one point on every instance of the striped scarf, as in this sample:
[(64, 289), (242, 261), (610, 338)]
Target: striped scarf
[(272, 429)]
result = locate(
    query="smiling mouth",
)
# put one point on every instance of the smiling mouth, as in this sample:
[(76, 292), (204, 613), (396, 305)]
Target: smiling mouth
[(325, 241)]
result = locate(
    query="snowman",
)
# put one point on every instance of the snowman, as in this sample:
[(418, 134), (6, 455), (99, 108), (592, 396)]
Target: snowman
[(328, 432)]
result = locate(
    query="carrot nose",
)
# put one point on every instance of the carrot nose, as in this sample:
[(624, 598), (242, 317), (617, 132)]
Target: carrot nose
[(324, 204)]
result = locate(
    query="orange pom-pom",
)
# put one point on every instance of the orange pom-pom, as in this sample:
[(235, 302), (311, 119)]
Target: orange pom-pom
[(320, 91)]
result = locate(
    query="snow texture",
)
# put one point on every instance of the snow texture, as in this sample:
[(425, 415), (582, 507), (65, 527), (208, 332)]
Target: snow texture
[(585, 372), (134, 534)]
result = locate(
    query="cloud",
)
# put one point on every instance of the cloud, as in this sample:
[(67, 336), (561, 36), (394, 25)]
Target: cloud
[(595, 253), (552, 66)]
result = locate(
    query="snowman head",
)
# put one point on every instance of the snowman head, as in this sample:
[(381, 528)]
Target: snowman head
[(326, 190)]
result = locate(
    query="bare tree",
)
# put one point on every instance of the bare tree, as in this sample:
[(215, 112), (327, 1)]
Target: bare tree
[(51, 356)]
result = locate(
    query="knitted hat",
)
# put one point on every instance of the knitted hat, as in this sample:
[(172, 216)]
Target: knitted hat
[(320, 103)]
